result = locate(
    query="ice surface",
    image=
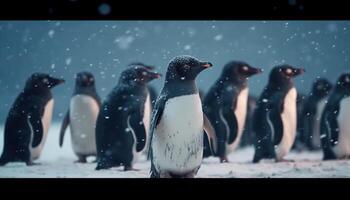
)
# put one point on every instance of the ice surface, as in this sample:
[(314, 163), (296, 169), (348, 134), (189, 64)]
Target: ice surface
[(58, 163)]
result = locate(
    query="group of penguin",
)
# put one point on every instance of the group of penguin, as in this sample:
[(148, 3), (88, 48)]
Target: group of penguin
[(180, 126)]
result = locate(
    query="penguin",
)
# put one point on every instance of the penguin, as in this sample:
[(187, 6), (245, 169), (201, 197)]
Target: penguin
[(29, 120), (120, 130), (275, 118), (149, 103), (248, 134), (311, 113), (301, 98), (81, 117), (335, 126), (178, 122), (226, 105)]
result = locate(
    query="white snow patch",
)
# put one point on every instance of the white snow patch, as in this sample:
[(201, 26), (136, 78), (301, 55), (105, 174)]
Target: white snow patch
[(58, 162)]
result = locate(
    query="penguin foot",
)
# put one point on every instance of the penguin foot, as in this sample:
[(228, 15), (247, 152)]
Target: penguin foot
[(31, 163), (129, 168), (224, 159), (285, 160), (102, 166), (81, 159), (3, 162)]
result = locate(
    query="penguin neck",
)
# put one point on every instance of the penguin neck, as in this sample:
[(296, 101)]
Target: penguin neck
[(181, 87), (238, 83), (84, 90), (45, 92), (343, 91), (282, 85)]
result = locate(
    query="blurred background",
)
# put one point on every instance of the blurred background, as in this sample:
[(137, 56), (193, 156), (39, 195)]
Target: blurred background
[(63, 48)]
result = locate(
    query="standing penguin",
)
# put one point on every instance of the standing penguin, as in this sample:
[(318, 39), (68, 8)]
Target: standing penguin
[(29, 120), (335, 126), (226, 105), (311, 113), (149, 103), (275, 118), (120, 131), (178, 122), (82, 114)]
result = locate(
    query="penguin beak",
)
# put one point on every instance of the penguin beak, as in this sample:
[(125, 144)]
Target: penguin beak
[(154, 75), (206, 64), (56, 81), (253, 70), (150, 67)]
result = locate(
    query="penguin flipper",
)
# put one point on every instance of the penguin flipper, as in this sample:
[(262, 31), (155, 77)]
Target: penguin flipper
[(37, 127), (275, 117), (153, 94), (210, 131), (64, 126), (230, 117), (156, 116), (329, 134), (228, 109), (139, 130)]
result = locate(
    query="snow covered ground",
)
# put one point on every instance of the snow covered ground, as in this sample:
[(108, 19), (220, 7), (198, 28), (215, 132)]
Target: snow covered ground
[(58, 163)]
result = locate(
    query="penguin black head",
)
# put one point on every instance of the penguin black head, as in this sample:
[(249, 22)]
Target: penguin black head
[(139, 75), (149, 67), (321, 87), (238, 70), (41, 81), (184, 68), (343, 83), (284, 74), (84, 79)]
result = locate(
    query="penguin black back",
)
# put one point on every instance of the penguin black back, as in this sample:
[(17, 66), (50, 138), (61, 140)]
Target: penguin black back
[(335, 135), (228, 96), (120, 132), (23, 127), (311, 113), (267, 120)]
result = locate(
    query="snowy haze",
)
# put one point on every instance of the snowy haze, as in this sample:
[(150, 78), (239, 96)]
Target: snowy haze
[(63, 48)]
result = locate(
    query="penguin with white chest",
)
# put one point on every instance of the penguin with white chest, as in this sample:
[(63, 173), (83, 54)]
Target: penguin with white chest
[(335, 126), (226, 104), (311, 113), (149, 103), (82, 114), (275, 118), (29, 120), (120, 130), (178, 122)]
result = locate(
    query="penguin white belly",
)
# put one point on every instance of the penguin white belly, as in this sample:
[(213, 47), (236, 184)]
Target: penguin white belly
[(289, 120), (46, 121), (177, 145), (240, 113), (316, 140), (147, 119), (342, 148), (83, 113)]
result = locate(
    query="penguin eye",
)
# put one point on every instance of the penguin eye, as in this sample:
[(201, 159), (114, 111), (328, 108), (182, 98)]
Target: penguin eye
[(45, 80), (245, 68), (187, 67), (289, 71), (347, 79)]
